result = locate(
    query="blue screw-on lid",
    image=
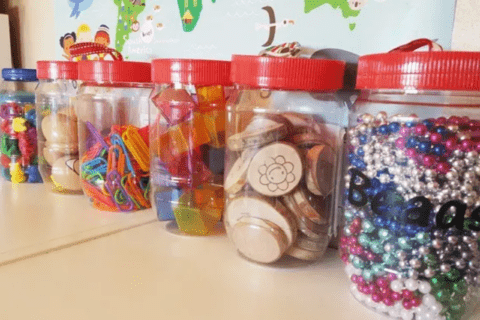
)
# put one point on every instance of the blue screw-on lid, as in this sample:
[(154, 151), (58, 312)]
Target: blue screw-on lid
[(19, 74)]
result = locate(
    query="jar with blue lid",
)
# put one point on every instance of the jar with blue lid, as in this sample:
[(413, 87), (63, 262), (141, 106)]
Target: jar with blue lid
[(18, 133)]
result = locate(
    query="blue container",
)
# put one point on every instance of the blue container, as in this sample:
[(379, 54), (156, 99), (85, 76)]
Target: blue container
[(18, 133)]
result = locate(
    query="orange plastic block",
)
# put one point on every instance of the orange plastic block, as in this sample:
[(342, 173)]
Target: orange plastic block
[(215, 122), (195, 131), (209, 98)]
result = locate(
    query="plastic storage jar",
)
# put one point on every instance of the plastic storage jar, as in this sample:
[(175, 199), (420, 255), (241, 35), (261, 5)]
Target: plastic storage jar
[(284, 134), (410, 242), (57, 126), (112, 111), (188, 142), (18, 133)]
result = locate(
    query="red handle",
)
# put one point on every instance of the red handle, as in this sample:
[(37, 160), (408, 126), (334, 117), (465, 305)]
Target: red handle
[(89, 48), (417, 44)]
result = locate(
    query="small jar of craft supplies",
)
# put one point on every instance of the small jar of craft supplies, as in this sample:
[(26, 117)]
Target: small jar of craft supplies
[(112, 113), (18, 133), (187, 136), (412, 208), (57, 126), (284, 146)]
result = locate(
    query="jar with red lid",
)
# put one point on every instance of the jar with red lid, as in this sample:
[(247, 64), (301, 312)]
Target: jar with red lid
[(112, 111), (285, 128), (412, 193), (57, 126), (187, 121)]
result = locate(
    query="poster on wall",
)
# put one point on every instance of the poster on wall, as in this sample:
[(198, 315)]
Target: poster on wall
[(215, 29)]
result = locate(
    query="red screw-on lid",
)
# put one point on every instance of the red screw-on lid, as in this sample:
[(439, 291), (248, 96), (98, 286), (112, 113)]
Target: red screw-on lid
[(114, 71), (57, 70), (288, 73), (432, 70), (187, 71)]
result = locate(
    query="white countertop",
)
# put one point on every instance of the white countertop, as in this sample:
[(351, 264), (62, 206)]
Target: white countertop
[(134, 267)]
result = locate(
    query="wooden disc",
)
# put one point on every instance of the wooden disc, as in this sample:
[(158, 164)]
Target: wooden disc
[(303, 254), (250, 206), (306, 140), (275, 170), (237, 176), (308, 210), (306, 243), (259, 240), (260, 132), (303, 123), (320, 162), (305, 225), (60, 129), (65, 172)]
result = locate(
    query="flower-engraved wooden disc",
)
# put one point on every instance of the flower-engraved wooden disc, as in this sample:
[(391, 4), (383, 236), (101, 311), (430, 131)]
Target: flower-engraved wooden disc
[(250, 206), (275, 170), (259, 240)]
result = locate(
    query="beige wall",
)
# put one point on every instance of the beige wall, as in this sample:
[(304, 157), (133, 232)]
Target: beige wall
[(33, 32)]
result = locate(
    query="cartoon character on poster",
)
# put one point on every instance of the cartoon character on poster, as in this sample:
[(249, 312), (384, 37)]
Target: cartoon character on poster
[(147, 30), (78, 6), (273, 25), (66, 42), (84, 33), (102, 37), (84, 36)]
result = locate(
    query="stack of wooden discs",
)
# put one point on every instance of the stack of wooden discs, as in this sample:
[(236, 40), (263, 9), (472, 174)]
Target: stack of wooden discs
[(279, 187)]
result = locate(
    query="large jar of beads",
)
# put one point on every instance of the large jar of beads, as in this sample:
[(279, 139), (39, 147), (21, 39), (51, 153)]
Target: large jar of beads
[(57, 126), (285, 131), (412, 207), (188, 142), (112, 116), (18, 133)]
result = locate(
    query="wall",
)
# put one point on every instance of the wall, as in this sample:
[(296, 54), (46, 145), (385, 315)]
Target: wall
[(32, 29)]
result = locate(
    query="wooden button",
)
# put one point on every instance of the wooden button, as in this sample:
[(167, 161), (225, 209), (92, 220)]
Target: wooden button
[(237, 176), (275, 170), (251, 206), (261, 131), (259, 240), (320, 169)]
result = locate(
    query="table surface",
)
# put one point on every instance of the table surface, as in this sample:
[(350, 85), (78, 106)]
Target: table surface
[(130, 266)]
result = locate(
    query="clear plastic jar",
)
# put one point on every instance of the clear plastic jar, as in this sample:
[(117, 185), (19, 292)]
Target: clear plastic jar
[(187, 121), (412, 205), (57, 126), (18, 133), (285, 131), (112, 112)]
